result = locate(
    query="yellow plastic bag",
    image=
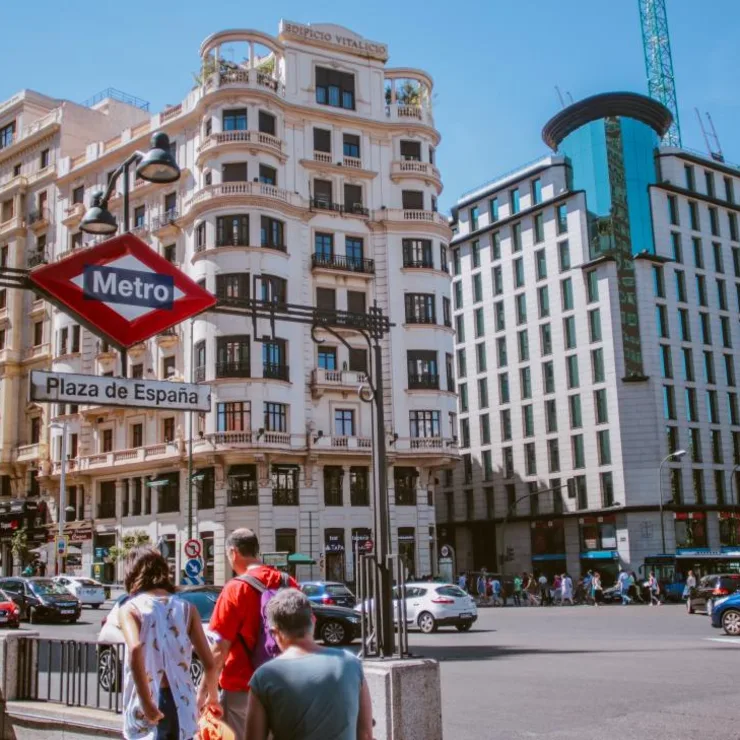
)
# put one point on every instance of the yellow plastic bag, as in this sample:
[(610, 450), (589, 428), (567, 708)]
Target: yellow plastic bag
[(211, 727)]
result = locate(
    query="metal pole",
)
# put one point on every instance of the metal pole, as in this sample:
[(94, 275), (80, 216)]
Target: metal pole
[(62, 494), (386, 604), (124, 353), (190, 445), (660, 493), (310, 540)]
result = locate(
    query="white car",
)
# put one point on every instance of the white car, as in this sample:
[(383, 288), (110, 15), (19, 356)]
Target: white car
[(430, 605), (87, 591)]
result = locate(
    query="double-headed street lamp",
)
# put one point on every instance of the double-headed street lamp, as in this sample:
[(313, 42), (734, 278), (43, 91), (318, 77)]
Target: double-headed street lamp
[(677, 455)]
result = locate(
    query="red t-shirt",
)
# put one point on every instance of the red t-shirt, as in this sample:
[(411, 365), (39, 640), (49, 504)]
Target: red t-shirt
[(237, 613)]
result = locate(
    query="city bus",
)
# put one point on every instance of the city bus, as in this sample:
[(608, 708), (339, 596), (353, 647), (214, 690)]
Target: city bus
[(671, 570)]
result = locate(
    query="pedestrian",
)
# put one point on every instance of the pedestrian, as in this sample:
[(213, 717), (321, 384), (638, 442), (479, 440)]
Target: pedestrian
[(517, 585), (690, 585), (531, 589), (160, 632), (462, 581), (308, 692), (557, 589), (480, 586), (623, 580), (597, 593), (496, 591), (28, 571), (654, 588), (242, 638), (544, 590), (635, 588), (566, 589)]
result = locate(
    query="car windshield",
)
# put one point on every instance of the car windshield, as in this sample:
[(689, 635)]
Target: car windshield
[(337, 589), (708, 581), (49, 588), (451, 591), (203, 601), (87, 583)]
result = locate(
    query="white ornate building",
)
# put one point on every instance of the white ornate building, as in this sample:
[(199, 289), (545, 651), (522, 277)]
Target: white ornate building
[(308, 176)]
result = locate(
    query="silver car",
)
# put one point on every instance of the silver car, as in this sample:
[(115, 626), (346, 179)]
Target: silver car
[(431, 605)]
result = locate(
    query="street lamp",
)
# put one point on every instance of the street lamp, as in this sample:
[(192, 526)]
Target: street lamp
[(678, 454), (62, 514)]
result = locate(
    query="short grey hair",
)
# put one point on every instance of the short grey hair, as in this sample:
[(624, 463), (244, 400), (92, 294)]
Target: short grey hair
[(245, 542), (289, 612)]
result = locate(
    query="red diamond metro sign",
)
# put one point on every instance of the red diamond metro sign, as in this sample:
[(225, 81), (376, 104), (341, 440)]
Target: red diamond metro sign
[(123, 289)]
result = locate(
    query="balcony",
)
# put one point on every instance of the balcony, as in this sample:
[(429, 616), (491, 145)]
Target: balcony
[(426, 445), (409, 113), (104, 351), (169, 113), (421, 319), (239, 77), (13, 185), (39, 352), (413, 216), (343, 263), (133, 456), (73, 215), (261, 439), (234, 191), (140, 229), (41, 174), (168, 337), (410, 264), (409, 168), (242, 495), (323, 157), (165, 224), (37, 258), (353, 163), (340, 443), (344, 381), (235, 139), (12, 225), (275, 371), (39, 220), (423, 381), (199, 375), (28, 453), (232, 370), (322, 204)]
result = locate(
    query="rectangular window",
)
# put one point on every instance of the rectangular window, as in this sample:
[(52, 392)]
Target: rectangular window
[(462, 392), (425, 424), (697, 479), (701, 290), (689, 175), (501, 352), (732, 225), (684, 324), (574, 408), (666, 364), (673, 210), (474, 218), (661, 319), (420, 308), (569, 332), (571, 363), (232, 357), (485, 429), (516, 238), (602, 413), (477, 288), (706, 328), (691, 410), (716, 436), (597, 365), (514, 201), (729, 370), (233, 416), (566, 294), (359, 486), (234, 172), (527, 421), (462, 364), (523, 344), (719, 262), (594, 325), (458, 294), (658, 283), (688, 364), (480, 357), (456, 265), (562, 218), (733, 408), (709, 375), (729, 190), (505, 417), (551, 415), (483, 393), (724, 325), (536, 190), (548, 377), (714, 221), (232, 231), (676, 247), (564, 256), (276, 417), (519, 273), (272, 233), (503, 388), (607, 490), (460, 328), (335, 88), (579, 458), (520, 304), (539, 228), (680, 286), (493, 209), (234, 119), (543, 302), (499, 316), (525, 382), (495, 246), (545, 340), (698, 253), (712, 407), (530, 461), (475, 253), (694, 216), (605, 454), (540, 263), (498, 281), (487, 466)]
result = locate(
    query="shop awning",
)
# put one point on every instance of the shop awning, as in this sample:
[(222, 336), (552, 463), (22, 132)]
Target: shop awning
[(298, 558)]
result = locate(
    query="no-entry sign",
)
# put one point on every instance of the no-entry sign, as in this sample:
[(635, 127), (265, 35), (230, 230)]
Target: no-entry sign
[(122, 289), (192, 549)]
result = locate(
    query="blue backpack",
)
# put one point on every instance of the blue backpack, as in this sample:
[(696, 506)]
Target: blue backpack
[(265, 649)]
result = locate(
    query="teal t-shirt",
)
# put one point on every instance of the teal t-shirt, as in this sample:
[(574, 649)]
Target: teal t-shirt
[(314, 697)]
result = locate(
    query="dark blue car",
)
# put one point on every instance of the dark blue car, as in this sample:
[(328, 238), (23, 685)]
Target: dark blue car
[(329, 593), (726, 614)]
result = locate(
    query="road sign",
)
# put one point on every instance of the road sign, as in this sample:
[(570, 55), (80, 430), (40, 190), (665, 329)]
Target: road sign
[(367, 546), (445, 551), (122, 289), (193, 548), (193, 571), (61, 545), (96, 390)]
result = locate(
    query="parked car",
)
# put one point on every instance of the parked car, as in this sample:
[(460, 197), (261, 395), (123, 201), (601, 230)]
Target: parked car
[(432, 605), (10, 614), (335, 625), (711, 588), (41, 598), (89, 592), (726, 614), (328, 593)]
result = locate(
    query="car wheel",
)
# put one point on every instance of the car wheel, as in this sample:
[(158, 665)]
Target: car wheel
[(108, 669), (731, 622), (196, 672), (427, 623), (95, 606), (333, 633), (464, 626), (689, 606)]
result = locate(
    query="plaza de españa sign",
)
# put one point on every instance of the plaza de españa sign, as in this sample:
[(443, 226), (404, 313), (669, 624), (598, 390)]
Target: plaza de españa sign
[(122, 289)]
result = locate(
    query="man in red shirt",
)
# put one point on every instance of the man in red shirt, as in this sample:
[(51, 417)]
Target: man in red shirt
[(236, 622)]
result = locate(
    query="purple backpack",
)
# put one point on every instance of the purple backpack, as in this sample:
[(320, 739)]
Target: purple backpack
[(265, 648)]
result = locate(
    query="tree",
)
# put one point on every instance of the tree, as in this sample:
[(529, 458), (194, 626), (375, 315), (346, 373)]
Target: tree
[(408, 94), (137, 538), (19, 544)]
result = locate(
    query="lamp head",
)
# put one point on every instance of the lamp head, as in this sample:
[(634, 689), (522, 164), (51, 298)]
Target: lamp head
[(678, 454), (158, 164), (98, 219)]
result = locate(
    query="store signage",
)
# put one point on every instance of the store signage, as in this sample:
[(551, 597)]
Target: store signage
[(107, 391), (122, 289), (335, 36), (334, 542)]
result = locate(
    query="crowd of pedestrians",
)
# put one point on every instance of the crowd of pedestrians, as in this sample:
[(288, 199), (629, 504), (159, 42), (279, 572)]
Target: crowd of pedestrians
[(264, 676)]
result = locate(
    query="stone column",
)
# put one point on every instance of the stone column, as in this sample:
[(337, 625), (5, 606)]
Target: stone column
[(119, 499)]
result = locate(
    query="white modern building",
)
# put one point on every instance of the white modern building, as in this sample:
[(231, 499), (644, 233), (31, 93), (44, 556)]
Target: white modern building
[(595, 300), (308, 177)]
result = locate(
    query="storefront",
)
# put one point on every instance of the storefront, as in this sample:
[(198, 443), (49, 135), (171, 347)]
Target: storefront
[(103, 568), (79, 560), (729, 529), (599, 547), (407, 549), (334, 555), (691, 529), (20, 515), (548, 547)]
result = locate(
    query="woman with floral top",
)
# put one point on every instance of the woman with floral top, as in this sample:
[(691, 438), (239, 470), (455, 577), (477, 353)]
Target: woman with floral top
[(160, 631)]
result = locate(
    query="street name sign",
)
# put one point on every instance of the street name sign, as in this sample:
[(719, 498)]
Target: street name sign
[(122, 289), (95, 390)]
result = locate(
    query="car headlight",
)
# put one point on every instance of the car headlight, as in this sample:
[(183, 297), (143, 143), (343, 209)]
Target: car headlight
[(354, 620), (718, 602)]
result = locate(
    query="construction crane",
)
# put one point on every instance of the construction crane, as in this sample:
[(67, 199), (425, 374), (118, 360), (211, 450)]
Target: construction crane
[(659, 63)]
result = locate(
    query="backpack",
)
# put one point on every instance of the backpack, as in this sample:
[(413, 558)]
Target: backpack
[(265, 649)]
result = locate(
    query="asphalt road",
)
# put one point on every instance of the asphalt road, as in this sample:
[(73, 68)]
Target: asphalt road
[(575, 673)]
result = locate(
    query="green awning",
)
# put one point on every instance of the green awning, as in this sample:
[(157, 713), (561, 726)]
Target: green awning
[(298, 558)]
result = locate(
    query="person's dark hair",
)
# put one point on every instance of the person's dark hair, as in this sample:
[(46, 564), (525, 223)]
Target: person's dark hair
[(146, 570), (289, 612), (245, 542)]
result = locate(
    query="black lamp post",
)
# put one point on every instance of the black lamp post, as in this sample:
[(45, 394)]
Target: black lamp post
[(157, 165)]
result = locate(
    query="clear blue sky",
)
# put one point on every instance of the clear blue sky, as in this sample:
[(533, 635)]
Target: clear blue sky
[(495, 63)]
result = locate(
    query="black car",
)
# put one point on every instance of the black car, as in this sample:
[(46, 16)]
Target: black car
[(336, 625), (710, 588), (42, 598), (328, 593)]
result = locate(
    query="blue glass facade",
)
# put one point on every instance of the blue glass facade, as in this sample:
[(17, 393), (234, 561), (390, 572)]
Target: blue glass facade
[(586, 150)]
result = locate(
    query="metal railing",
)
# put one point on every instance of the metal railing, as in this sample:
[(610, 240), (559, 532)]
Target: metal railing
[(71, 672), (275, 371), (424, 381), (343, 262), (233, 370)]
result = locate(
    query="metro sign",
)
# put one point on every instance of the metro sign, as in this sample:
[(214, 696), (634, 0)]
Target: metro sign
[(123, 289)]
